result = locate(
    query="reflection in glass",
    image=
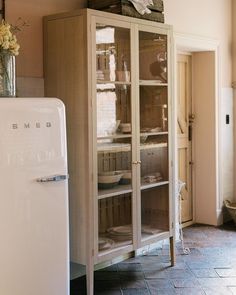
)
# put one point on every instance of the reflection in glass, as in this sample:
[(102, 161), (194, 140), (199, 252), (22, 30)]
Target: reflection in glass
[(154, 211), (153, 109), (113, 110), (112, 53), (153, 49)]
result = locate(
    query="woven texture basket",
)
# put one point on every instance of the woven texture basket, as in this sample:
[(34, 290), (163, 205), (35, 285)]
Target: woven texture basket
[(231, 207)]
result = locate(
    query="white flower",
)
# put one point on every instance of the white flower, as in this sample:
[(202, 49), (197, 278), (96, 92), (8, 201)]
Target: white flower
[(8, 41)]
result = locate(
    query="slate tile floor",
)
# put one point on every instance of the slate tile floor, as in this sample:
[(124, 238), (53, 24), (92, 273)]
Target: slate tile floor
[(210, 269)]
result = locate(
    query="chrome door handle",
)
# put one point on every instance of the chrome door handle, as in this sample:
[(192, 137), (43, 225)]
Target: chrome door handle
[(58, 177)]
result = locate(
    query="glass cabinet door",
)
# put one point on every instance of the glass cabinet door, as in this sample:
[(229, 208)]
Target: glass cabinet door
[(153, 137), (114, 138)]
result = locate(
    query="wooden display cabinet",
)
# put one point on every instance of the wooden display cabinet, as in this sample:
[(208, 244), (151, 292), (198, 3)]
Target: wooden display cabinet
[(114, 75)]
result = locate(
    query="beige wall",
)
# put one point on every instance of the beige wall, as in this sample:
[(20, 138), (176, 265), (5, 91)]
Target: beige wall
[(30, 60), (208, 18)]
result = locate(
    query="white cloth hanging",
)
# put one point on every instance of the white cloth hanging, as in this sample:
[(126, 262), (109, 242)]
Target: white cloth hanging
[(141, 6)]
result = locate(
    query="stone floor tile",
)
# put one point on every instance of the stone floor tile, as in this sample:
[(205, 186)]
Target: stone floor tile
[(129, 267), (136, 292), (198, 265), (230, 282), (109, 268), (205, 273), (179, 273), (165, 291), (155, 274), (209, 282), (232, 290), (107, 285), (106, 275), (226, 272), (217, 290), (185, 283), (189, 291), (154, 284), (107, 292), (131, 275), (133, 284)]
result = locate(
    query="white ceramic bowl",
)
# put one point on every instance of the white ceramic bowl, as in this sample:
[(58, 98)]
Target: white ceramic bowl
[(108, 179)]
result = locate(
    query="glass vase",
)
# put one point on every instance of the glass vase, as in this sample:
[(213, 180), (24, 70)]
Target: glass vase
[(7, 75)]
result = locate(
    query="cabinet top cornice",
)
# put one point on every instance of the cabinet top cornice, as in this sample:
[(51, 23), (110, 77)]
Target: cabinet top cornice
[(92, 12)]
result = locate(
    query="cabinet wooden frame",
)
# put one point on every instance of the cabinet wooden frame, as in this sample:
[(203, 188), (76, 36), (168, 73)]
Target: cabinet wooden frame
[(70, 74)]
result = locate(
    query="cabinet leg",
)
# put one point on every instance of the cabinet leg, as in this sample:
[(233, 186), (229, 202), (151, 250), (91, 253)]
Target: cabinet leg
[(172, 251), (90, 279)]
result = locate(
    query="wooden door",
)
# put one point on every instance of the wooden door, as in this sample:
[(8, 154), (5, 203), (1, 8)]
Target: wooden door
[(184, 124)]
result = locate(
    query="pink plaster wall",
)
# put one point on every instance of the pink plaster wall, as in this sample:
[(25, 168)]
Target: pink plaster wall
[(30, 59)]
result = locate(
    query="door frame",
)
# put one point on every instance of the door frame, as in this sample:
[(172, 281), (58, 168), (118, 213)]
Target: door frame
[(192, 43)]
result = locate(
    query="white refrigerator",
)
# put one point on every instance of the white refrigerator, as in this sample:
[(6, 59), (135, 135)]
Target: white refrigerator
[(34, 244)]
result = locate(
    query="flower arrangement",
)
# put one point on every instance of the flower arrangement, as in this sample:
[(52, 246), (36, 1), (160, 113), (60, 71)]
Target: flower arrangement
[(8, 41)]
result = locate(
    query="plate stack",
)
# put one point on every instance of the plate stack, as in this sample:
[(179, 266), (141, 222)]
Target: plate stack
[(121, 233), (105, 244), (125, 7)]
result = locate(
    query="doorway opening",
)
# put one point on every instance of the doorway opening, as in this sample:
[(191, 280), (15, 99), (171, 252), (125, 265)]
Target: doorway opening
[(196, 110)]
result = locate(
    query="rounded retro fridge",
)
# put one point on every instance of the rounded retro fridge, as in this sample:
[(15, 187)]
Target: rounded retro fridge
[(34, 251)]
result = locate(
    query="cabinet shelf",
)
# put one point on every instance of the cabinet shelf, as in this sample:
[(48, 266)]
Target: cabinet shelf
[(113, 82), (160, 235), (145, 185), (152, 83), (154, 133), (119, 189), (123, 147), (115, 136)]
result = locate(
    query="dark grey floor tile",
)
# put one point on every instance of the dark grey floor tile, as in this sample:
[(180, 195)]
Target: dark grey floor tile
[(226, 272), (109, 268), (133, 284), (129, 267), (205, 273), (107, 285), (107, 292), (106, 275), (131, 275), (136, 292), (155, 274), (155, 284)]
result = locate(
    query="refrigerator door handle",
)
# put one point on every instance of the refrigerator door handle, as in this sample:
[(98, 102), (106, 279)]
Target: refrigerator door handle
[(53, 178)]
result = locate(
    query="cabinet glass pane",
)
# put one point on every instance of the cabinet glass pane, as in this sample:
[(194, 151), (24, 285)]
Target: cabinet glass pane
[(112, 53), (114, 166), (153, 50), (154, 162), (153, 109), (113, 110), (154, 211), (115, 222), (153, 135)]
